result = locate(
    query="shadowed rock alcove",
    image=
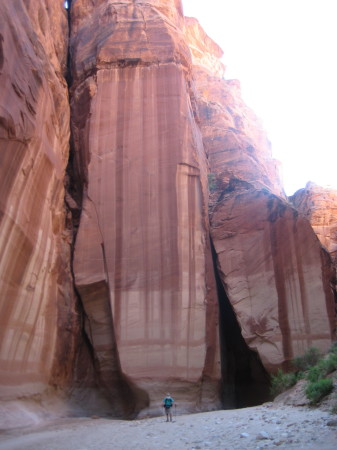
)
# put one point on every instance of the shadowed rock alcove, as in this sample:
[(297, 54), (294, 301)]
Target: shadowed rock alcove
[(245, 382)]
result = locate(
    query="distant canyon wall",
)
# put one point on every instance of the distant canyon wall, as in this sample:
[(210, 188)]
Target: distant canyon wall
[(319, 206), (173, 259)]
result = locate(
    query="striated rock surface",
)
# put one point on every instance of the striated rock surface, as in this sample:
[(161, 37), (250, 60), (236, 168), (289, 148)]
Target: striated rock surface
[(38, 322), (319, 205), (164, 154), (271, 266), (275, 273), (142, 256)]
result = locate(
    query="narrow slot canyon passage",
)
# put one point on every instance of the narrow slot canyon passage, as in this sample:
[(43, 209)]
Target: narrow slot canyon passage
[(245, 382)]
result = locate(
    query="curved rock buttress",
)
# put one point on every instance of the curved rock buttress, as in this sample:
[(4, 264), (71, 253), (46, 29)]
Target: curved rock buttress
[(38, 318), (142, 248)]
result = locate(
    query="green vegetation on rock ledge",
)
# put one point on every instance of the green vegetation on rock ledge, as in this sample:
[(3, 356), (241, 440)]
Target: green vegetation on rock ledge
[(281, 382), (212, 182), (312, 366), (316, 390)]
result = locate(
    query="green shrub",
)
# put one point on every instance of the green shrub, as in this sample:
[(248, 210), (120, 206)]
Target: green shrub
[(323, 367), (212, 182), (282, 381), (333, 348), (300, 375), (312, 367), (329, 364), (318, 389), (315, 373), (309, 359)]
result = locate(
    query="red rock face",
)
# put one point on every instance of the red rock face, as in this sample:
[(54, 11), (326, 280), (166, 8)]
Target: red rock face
[(319, 205), (37, 314), (274, 272), (156, 134), (142, 249)]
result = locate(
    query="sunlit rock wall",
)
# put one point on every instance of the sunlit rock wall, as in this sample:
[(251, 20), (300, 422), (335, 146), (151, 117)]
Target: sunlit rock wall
[(235, 142), (142, 256), (275, 273), (38, 324)]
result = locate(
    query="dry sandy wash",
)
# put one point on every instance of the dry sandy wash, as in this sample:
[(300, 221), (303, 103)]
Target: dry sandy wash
[(265, 426)]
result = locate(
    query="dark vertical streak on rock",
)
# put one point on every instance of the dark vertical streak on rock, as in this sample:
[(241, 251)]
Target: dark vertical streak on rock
[(122, 110), (304, 298), (145, 192), (68, 76), (212, 312), (191, 273), (281, 294), (2, 58), (329, 279), (160, 100), (175, 272), (245, 382)]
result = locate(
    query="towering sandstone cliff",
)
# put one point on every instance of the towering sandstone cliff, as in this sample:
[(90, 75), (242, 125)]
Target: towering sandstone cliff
[(191, 270), (272, 268), (142, 248), (39, 328)]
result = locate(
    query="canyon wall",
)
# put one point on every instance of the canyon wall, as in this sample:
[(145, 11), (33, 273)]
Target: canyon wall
[(274, 272), (173, 260), (142, 264), (39, 324), (319, 205)]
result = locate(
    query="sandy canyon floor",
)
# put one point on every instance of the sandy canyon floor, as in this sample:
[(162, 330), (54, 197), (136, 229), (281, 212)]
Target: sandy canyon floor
[(265, 426)]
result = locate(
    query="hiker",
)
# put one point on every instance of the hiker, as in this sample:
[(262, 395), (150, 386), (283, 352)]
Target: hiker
[(167, 404)]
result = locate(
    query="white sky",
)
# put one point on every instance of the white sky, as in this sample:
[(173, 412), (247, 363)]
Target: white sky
[(284, 54)]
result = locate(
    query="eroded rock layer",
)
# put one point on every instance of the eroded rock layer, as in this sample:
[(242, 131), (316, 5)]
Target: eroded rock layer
[(39, 327), (144, 227)]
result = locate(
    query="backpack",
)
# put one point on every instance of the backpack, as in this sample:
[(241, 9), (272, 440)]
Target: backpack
[(168, 402)]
